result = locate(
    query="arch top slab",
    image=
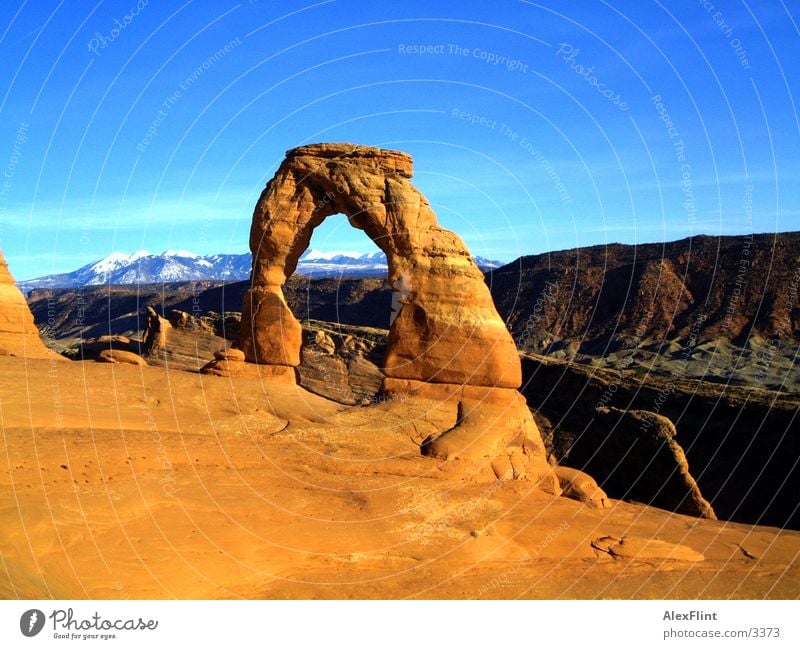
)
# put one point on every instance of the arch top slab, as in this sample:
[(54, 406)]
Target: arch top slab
[(389, 161)]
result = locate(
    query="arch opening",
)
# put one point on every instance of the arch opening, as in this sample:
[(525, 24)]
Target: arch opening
[(341, 278)]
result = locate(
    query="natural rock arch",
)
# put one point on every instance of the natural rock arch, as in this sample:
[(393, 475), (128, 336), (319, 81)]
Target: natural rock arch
[(446, 344), (446, 328)]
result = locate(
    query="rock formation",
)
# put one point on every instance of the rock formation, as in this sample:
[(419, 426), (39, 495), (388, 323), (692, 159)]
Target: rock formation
[(154, 340), (324, 342), (120, 356), (229, 355), (18, 333), (581, 486), (634, 455), (446, 339), (184, 341), (91, 348), (230, 362), (188, 322), (609, 297)]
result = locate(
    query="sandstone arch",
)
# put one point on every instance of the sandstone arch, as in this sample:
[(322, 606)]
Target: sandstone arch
[(446, 328), (446, 341)]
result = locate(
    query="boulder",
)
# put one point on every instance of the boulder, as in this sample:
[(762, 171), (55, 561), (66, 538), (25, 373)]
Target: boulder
[(229, 355), (235, 368), (120, 356), (581, 486), (223, 367), (325, 342), (182, 320), (91, 348)]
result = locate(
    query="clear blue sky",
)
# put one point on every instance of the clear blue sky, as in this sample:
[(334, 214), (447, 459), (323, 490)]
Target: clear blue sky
[(142, 137)]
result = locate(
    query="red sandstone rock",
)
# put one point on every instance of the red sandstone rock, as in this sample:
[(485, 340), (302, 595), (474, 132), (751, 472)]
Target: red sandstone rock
[(120, 356), (488, 424), (447, 344), (229, 355), (154, 340), (446, 326), (18, 333), (236, 368), (271, 335), (581, 486)]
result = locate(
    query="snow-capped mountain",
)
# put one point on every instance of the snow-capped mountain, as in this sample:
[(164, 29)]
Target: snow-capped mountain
[(143, 267), (316, 263)]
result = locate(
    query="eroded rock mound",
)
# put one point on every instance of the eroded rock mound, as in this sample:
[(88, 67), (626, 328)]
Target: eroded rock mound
[(91, 348), (18, 334), (229, 355), (581, 486)]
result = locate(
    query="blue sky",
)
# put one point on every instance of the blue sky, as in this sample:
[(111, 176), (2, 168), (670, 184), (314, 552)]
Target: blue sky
[(534, 126)]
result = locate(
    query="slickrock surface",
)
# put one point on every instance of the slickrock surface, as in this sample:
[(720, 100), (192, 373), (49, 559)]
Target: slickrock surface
[(143, 482)]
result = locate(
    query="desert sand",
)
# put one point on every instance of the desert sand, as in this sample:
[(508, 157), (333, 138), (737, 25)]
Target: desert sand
[(124, 481)]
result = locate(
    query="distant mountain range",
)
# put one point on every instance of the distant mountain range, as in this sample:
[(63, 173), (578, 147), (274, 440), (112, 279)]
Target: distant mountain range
[(143, 267), (742, 289)]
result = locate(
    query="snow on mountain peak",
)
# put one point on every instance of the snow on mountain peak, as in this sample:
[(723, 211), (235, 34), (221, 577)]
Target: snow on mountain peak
[(180, 253), (313, 253), (117, 260)]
